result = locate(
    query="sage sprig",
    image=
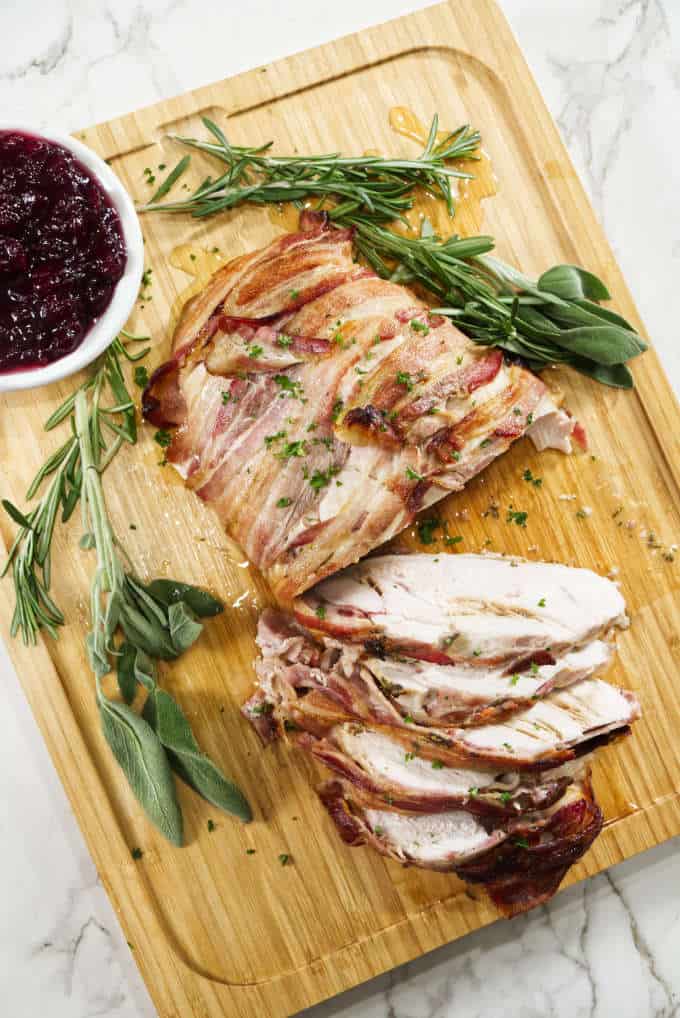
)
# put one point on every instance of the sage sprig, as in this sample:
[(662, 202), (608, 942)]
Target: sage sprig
[(148, 746), (555, 320)]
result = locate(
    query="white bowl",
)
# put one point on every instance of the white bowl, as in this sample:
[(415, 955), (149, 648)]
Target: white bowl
[(109, 324)]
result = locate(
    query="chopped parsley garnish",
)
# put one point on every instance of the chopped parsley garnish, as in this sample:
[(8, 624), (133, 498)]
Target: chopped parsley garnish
[(136, 853), (506, 745), (288, 386), (419, 326), (404, 378), (250, 851), (337, 409), (141, 376), (163, 438), (408, 757), (456, 539), (427, 529), (515, 516), (533, 668), (476, 652), (320, 479), (313, 426), (284, 858), (283, 339), (320, 611), (270, 439), (294, 294), (521, 842), (227, 397), (413, 475), (505, 797), (483, 444), (459, 359), (530, 419), (291, 449), (528, 476), (255, 351), (437, 765), (581, 514), (211, 825), (541, 603), (408, 720), (517, 411), (473, 792), (283, 503), (378, 831), (290, 726), (514, 680)]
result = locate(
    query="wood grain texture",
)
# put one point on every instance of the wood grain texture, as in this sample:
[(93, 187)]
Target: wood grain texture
[(217, 931)]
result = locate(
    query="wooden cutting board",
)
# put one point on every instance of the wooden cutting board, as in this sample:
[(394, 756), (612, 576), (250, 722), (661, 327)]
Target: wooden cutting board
[(217, 931)]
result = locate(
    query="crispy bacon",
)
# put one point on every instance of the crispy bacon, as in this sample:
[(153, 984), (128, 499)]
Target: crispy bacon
[(344, 380)]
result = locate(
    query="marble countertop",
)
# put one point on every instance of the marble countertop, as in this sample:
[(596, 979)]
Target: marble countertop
[(610, 73)]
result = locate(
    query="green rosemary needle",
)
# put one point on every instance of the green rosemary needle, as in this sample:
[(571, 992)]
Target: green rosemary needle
[(557, 319)]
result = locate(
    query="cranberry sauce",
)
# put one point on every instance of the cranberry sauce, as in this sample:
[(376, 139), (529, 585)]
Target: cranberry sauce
[(61, 251)]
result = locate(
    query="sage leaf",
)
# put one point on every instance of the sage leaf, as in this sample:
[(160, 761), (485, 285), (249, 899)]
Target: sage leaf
[(615, 375), (145, 764), (147, 636), (573, 283), (168, 592), (170, 724), (125, 671), (144, 669), (604, 344), (184, 629)]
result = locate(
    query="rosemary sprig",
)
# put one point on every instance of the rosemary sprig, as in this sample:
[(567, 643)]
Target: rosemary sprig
[(381, 186), (557, 319), (110, 427), (149, 746)]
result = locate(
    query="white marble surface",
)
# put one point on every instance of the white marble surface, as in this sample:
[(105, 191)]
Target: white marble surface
[(610, 72)]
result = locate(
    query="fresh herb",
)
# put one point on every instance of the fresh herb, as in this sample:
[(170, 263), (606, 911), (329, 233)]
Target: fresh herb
[(283, 503), (227, 397), (533, 668), (437, 765), (292, 450), (514, 516), (541, 603), (270, 439), (473, 792), (211, 825), (337, 409), (284, 858), (505, 797), (476, 652), (147, 746), (427, 529), (255, 351), (288, 386), (455, 539), (408, 720), (404, 378), (521, 842), (171, 178), (294, 294), (421, 327), (413, 475), (136, 853), (250, 851), (320, 611), (163, 438), (141, 376), (408, 757), (283, 340), (378, 831), (111, 426), (581, 514), (506, 745), (556, 319), (514, 680), (529, 477), (320, 479)]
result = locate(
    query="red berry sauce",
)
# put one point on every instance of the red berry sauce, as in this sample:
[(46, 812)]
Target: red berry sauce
[(61, 251)]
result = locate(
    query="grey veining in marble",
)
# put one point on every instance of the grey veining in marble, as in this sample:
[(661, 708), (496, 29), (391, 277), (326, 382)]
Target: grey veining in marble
[(610, 72)]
